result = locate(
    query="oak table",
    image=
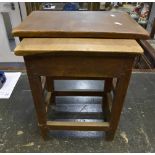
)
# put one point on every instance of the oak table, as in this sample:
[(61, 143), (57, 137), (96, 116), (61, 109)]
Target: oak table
[(79, 45)]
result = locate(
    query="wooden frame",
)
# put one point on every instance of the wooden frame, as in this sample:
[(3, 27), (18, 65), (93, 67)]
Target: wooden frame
[(51, 66), (70, 51)]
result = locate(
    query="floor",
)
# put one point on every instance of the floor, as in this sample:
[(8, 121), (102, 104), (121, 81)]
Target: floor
[(136, 131)]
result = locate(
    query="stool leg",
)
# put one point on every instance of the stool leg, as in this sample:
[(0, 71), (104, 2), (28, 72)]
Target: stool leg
[(105, 105), (108, 85), (121, 89), (50, 88), (37, 93)]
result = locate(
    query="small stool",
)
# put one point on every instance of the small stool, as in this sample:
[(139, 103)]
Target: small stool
[(79, 58)]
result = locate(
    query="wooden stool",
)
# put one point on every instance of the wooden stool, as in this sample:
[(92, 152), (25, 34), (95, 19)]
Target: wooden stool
[(79, 58)]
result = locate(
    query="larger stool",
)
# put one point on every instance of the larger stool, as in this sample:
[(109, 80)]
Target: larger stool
[(79, 58)]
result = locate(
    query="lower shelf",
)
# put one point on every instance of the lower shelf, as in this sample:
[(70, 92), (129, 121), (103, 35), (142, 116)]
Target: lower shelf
[(83, 126)]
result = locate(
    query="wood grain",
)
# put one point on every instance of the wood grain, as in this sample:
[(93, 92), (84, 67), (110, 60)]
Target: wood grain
[(94, 24), (32, 46), (72, 66), (80, 57), (78, 66), (83, 126)]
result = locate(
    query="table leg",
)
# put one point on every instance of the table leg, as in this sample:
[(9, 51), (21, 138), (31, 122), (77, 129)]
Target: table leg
[(50, 88), (108, 85), (37, 93), (121, 89), (105, 104)]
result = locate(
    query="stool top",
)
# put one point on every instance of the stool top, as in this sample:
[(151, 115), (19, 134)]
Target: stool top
[(79, 24), (77, 46)]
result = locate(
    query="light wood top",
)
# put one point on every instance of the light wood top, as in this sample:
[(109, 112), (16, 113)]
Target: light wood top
[(34, 46), (93, 24)]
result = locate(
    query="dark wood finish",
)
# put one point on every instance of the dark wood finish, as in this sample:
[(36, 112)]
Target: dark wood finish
[(46, 68), (49, 85), (80, 24), (110, 101), (108, 85), (37, 93), (78, 66), (50, 88), (47, 100), (86, 59), (105, 104), (121, 89)]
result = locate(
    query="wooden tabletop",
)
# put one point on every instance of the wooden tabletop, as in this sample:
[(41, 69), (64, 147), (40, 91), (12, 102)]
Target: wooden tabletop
[(94, 24), (88, 46)]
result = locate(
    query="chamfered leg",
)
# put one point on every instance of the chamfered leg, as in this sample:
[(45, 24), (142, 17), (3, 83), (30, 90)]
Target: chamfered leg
[(38, 98), (50, 88), (105, 104), (121, 89)]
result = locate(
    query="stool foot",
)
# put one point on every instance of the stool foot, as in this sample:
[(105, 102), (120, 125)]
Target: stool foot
[(109, 135)]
